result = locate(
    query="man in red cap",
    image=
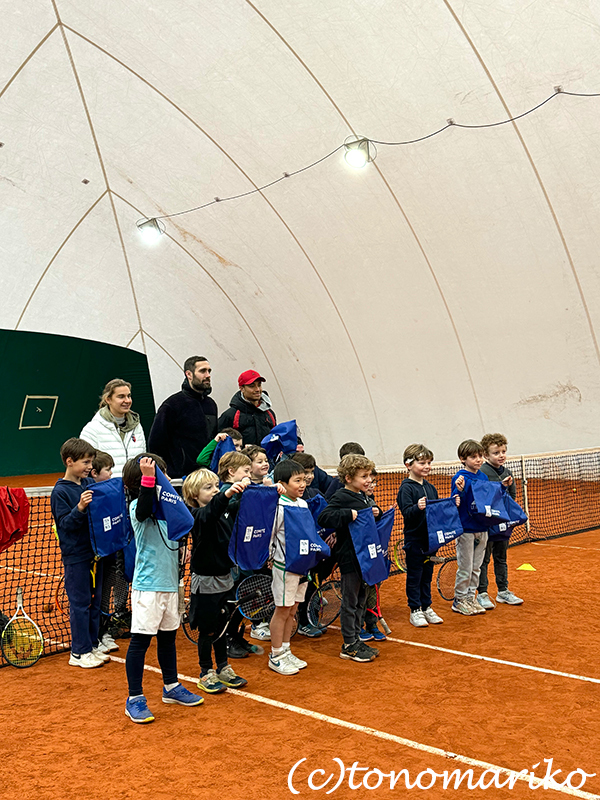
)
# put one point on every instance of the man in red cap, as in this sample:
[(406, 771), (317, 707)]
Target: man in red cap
[(249, 410)]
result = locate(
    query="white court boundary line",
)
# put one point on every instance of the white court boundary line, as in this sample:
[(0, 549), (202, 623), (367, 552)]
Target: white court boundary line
[(568, 546), (389, 737), (30, 572)]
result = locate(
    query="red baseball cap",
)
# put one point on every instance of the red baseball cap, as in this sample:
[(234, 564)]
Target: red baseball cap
[(249, 377)]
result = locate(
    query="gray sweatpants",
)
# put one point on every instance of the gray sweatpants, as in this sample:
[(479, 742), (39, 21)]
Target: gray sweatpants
[(469, 557)]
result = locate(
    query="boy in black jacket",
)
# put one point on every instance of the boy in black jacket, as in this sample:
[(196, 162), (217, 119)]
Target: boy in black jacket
[(412, 499), (354, 472), (212, 583)]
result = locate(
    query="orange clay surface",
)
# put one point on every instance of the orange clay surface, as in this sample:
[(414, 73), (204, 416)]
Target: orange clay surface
[(65, 735), (32, 480)]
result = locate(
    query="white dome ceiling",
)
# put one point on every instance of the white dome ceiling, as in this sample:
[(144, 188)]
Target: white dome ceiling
[(448, 289)]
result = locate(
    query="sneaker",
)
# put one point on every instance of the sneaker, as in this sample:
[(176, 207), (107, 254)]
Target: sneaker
[(368, 649), (85, 660), (100, 655), (235, 649), (463, 607), (310, 630), (137, 710), (355, 652), (181, 696), (378, 635), (477, 607), (294, 660), (211, 683), (365, 635), (508, 597), (431, 617), (261, 632), (417, 618), (228, 677), (109, 643), (250, 648), (485, 601), (282, 665)]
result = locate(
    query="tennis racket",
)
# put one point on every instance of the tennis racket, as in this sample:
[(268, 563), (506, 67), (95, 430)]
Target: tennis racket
[(325, 604), (374, 607), (398, 557), (446, 578), (60, 597), (22, 641)]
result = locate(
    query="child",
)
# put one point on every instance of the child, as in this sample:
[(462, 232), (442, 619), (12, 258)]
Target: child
[(348, 448), (369, 628), (470, 546), (212, 583), (288, 587), (69, 501), (494, 451), (260, 464), (112, 577), (308, 462), (205, 456), (354, 472), (154, 593), (412, 499)]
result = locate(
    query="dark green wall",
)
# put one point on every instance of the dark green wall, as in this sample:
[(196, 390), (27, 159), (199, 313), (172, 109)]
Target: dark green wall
[(74, 369)]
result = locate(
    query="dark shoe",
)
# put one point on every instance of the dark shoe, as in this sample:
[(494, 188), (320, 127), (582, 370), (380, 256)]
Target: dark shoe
[(235, 650)]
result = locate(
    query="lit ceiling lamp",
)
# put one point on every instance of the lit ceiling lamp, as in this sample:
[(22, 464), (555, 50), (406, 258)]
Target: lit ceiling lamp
[(358, 151), (150, 229)]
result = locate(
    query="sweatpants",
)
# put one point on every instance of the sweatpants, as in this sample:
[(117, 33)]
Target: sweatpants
[(498, 550), (419, 572), (207, 613), (354, 599), (136, 654), (470, 550), (84, 604)]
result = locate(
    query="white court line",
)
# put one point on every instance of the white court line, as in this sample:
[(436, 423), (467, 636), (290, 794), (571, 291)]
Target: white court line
[(490, 659), (389, 737), (30, 572), (568, 546)]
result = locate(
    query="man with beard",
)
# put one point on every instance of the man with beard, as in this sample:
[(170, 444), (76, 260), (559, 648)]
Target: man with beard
[(249, 410), (186, 421)]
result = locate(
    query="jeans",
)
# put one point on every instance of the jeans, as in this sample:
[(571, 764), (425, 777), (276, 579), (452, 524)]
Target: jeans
[(419, 573)]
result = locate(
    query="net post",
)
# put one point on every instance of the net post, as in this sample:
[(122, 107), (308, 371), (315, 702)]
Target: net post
[(525, 499)]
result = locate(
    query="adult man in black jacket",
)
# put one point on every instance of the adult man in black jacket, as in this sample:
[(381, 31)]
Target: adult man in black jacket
[(186, 421), (249, 410)]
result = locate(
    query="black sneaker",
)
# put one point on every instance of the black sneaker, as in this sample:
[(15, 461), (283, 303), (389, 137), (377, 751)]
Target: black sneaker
[(235, 650), (355, 652), (373, 651)]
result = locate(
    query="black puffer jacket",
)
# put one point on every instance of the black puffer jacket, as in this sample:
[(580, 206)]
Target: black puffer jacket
[(254, 423), (183, 426)]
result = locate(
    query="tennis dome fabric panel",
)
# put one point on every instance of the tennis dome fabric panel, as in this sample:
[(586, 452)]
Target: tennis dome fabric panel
[(449, 288)]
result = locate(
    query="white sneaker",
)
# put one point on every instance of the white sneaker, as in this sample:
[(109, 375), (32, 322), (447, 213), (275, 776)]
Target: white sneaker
[(101, 647), (282, 665), (508, 597), (462, 606), (485, 601), (86, 661), (109, 643), (417, 618), (294, 660), (262, 632), (97, 653), (431, 617), (477, 608)]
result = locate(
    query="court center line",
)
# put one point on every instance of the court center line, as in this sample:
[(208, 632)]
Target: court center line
[(517, 664), (390, 737)]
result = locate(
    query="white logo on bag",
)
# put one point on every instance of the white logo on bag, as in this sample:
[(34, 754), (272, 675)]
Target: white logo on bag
[(373, 551), (441, 538), (303, 547), (488, 511), (107, 523), (248, 534), (502, 526)]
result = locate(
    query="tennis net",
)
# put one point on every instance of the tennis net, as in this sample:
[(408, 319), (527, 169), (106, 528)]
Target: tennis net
[(560, 492)]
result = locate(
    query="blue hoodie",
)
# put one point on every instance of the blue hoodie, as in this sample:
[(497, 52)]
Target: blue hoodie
[(71, 524), (468, 523)]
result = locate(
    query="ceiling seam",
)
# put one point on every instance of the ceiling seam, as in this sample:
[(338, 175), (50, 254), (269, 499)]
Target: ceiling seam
[(266, 199), (101, 162), (29, 57), (65, 240), (158, 344), (221, 289), (536, 174), (139, 330)]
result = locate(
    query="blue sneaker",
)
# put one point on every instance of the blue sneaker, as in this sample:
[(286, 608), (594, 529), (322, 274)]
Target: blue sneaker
[(365, 636), (180, 695), (137, 710), (378, 635)]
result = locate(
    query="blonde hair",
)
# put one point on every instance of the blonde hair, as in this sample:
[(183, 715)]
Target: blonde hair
[(232, 461), (193, 483), (351, 464), (109, 390), (416, 452)]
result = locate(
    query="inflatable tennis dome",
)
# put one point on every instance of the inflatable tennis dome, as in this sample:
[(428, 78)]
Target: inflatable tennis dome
[(449, 287)]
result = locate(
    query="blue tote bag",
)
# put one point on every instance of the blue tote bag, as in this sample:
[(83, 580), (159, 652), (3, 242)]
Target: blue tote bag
[(368, 549), (384, 525), (251, 537), (443, 522), (484, 500), (225, 446), (110, 529), (169, 505), (283, 438), (503, 530), (304, 548), (316, 504)]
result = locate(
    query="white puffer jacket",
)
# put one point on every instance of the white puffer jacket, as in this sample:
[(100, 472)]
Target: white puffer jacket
[(103, 435)]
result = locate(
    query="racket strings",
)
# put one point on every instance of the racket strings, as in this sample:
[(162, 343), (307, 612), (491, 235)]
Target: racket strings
[(22, 643)]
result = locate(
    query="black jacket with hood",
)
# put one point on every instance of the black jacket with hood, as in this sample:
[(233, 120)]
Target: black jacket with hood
[(253, 422), (183, 426)]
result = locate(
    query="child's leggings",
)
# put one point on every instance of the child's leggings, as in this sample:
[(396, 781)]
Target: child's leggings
[(136, 654)]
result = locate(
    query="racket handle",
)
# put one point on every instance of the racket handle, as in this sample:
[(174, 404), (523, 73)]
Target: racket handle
[(386, 628)]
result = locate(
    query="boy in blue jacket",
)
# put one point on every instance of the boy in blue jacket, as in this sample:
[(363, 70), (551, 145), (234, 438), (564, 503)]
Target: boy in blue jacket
[(69, 501)]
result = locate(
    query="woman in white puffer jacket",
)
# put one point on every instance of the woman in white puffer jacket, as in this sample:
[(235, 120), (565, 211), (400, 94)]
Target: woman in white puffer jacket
[(115, 429)]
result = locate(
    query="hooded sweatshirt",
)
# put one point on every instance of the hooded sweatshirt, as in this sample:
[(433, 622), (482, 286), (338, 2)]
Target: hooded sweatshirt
[(253, 422)]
